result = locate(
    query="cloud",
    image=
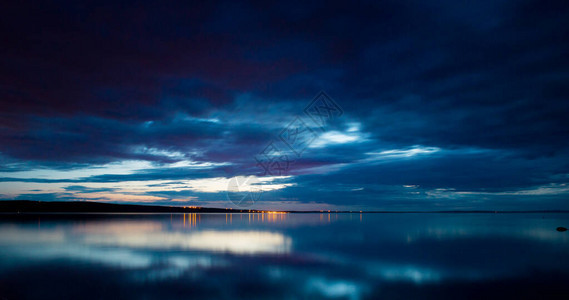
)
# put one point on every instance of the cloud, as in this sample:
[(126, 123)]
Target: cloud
[(470, 97)]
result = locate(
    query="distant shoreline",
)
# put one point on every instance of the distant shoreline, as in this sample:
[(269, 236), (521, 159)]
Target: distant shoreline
[(31, 207)]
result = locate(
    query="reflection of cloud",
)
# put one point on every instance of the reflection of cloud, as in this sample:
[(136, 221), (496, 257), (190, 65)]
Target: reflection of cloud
[(174, 267), (54, 243), (10, 235), (406, 273), (118, 226), (542, 234), (240, 242), (113, 257), (149, 235), (135, 245), (334, 289)]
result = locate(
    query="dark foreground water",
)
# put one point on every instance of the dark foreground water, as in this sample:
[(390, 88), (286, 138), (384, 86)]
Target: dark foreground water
[(292, 256)]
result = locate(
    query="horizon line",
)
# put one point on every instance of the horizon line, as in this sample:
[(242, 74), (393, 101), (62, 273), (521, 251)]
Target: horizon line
[(195, 209)]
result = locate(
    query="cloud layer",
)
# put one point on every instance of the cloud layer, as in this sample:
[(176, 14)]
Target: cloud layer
[(445, 105)]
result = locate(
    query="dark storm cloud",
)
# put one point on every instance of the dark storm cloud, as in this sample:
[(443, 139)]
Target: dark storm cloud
[(484, 82)]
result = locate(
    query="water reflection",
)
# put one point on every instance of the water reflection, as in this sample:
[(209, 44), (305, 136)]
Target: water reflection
[(282, 256), (240, 242)]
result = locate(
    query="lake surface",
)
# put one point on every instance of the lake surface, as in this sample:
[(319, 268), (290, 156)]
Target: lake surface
[(284, 256)]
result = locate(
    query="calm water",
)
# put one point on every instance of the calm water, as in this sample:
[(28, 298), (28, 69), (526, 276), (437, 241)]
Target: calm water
[(292, 256)]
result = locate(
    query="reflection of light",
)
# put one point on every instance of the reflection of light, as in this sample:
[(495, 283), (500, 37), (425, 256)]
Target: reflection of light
[(242, 242), (193, 220)]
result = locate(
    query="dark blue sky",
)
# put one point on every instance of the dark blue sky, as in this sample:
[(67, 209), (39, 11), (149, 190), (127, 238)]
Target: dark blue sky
[(445, 104)]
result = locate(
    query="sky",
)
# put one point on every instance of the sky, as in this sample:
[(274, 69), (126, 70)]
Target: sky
[(371, 105)]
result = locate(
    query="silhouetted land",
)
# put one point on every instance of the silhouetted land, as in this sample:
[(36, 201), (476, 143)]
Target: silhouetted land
[(28, 206), (25, 206)]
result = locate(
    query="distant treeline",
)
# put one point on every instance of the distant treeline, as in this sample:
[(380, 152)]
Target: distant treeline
[(26, 206)]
